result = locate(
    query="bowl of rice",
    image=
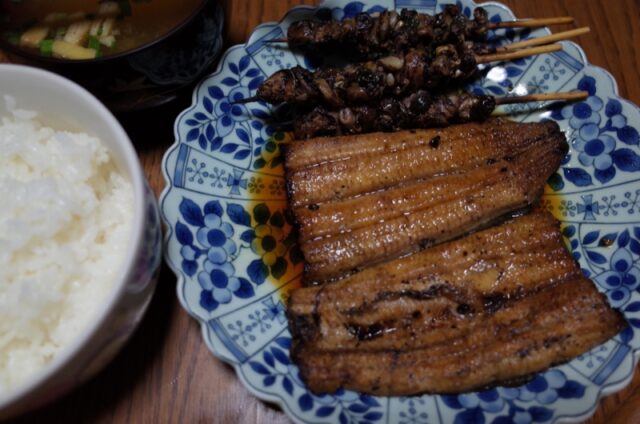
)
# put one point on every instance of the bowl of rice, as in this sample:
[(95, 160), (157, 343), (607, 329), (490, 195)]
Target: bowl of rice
[(80, 237)]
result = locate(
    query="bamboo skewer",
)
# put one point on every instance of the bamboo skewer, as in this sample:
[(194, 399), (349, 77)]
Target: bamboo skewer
[(538, 41), (246, 100), (545, 39), (305, 123), (521, 23), (479, 59), (486, 107), (543, 97), (540, 97), (531, 23), (501, 56)]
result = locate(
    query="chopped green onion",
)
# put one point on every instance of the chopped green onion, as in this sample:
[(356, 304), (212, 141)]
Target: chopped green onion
[(46, 47), (94, 44)]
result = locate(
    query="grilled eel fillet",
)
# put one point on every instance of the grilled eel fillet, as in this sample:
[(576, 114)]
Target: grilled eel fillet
[(492, 307), (331, 168), (342, 236)]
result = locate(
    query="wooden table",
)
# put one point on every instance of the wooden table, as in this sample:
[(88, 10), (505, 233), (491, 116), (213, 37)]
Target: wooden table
[(167, 374)]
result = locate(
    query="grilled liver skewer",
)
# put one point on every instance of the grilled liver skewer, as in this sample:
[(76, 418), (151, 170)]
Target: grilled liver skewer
[(373, 80), (369, 36), (417, 110)]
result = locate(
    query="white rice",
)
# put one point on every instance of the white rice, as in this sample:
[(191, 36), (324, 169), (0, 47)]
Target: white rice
[(65, 220)]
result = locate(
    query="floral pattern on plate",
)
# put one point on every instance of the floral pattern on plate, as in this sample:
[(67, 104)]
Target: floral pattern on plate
[(233, 248)]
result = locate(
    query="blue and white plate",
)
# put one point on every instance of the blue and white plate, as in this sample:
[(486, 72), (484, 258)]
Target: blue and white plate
[(231, 246)]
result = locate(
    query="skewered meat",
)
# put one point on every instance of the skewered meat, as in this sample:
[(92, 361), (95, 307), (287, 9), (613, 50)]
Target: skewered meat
[(369, 81), (417, 110), (331, 168), (401, 221), (366, 36), (491, 307)]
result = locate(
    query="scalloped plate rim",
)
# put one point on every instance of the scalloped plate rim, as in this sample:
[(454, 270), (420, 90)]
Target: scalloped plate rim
[(603, 391)]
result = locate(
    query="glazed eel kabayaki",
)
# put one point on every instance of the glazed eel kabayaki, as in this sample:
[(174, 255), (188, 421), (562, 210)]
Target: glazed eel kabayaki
[(344, 236), (492, 307), (440, 193), (331, 168)]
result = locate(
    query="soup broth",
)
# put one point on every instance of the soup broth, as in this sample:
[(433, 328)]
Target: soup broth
[(81, 29)]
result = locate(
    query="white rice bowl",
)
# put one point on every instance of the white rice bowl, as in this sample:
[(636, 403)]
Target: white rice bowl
[(65, 226)]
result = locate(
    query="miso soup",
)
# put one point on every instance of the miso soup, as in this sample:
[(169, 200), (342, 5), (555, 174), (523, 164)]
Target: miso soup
[(86, 29)]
